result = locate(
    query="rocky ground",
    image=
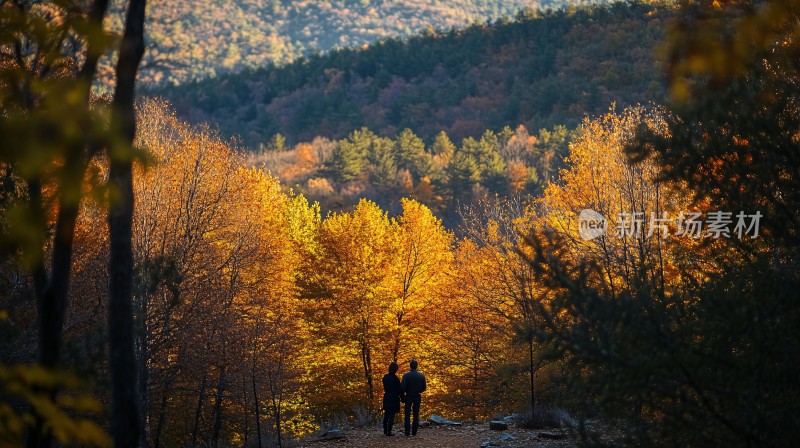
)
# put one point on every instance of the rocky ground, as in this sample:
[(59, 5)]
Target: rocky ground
[(468, 436)]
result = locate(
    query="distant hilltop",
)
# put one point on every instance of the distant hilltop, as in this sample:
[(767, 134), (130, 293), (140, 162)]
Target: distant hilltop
[(541, 69), (196, 39)]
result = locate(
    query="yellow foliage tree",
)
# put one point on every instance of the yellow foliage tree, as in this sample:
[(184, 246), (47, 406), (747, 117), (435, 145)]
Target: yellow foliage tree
[(347, 295)]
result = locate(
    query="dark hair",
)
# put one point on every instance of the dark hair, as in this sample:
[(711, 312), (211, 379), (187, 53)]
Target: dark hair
[(393, 367), (414, 364)]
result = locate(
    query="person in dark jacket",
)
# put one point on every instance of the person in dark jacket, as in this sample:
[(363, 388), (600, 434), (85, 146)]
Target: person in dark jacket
[(392, 392), (413, 386)]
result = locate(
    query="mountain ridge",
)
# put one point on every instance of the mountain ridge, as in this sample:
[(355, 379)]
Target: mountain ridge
[(538, 70), (194, 39)]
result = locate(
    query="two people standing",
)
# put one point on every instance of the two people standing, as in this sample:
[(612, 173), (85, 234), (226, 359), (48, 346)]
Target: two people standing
[(409, 390)]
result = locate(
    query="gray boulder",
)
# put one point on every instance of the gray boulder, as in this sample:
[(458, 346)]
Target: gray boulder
[(498, 425), (438, 420), (333, 433), (552, 435)]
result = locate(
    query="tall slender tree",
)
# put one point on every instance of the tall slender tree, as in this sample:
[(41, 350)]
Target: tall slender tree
[(125, 422)]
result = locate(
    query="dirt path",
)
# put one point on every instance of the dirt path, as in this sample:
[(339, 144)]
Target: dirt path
[(467, 436)]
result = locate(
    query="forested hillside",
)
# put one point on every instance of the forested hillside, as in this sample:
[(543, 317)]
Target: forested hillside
[(539, 70), (444, 175), (194, 39)]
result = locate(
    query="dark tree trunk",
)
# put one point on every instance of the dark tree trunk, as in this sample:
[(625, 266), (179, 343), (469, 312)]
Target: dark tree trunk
[(246, 411), (276, 410), (475, 387), (52, 302), (276, 378), (144, 371), (218, 408), (256, 405), (366, 361), (198, 412), (125, 422), (51, 294), (162, 411), (397, 335), (532, 372)]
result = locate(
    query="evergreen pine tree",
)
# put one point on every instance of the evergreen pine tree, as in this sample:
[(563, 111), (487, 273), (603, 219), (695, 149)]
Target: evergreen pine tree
[(410, 154), (442, 146), (277, 143), (463, 173), (350, 155), (383, 168)]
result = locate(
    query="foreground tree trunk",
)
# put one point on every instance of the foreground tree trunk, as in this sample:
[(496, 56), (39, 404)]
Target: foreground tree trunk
[(143, 359), (51, 291), (125, 421), (51, 301)]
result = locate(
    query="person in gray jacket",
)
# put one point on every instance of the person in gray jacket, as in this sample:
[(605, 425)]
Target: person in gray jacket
[(414, 385)]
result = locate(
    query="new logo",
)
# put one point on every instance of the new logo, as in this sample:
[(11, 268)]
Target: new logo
[(591, 224)]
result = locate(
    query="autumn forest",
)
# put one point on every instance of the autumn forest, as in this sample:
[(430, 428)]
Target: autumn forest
[(581, 220)]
